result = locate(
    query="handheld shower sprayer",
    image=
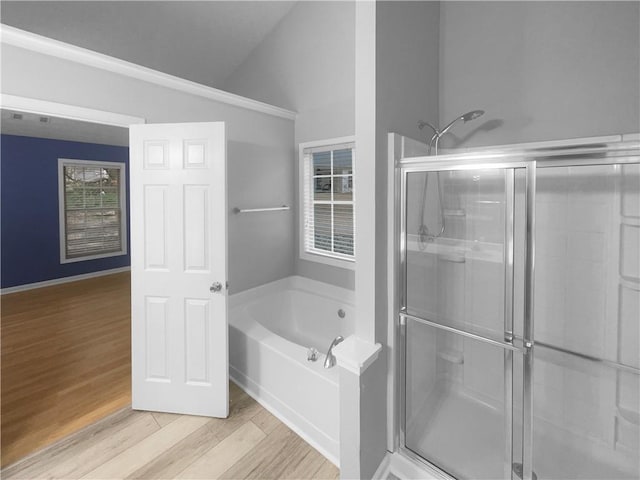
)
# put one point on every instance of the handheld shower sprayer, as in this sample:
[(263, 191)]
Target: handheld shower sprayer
[(437, 134), (423, 232)]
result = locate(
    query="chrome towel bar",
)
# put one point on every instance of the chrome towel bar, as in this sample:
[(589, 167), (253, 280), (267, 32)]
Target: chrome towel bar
[(269, 209)]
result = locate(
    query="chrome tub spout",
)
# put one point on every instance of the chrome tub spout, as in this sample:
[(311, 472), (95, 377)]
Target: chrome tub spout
[(330, 360)]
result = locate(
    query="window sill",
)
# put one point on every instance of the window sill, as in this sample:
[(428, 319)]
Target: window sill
[(93, 257), (328, 260)]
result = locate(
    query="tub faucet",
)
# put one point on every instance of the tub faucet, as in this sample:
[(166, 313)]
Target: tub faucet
[(330, 361)]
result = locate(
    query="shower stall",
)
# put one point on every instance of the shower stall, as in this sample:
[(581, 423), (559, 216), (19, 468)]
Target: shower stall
[(517, 323)]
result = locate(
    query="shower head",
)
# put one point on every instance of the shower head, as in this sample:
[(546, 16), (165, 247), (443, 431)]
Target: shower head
[(472, 115), (465, 118)]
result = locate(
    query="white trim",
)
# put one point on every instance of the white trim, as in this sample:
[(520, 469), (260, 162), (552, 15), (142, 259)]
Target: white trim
[(328, 141), (287, 415), (326, 259), (59, 281), (37, 43), (329, 258), (62, 224), (356, 354), (72, 112), (365, 179)]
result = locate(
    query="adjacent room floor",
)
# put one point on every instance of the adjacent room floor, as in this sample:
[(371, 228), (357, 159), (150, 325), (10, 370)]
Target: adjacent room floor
[(66, 360)]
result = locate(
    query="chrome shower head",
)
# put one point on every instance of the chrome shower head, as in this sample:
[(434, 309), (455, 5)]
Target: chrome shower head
[(465, 118), (437, 133), (472, 115)]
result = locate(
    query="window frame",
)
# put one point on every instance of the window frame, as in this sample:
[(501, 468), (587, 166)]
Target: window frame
[(305, 196), (65, 162)]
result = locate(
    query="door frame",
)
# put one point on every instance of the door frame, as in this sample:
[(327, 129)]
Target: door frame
[(71, 112), (67, 111)]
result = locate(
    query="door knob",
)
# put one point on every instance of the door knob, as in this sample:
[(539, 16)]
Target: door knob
[(215, 287)]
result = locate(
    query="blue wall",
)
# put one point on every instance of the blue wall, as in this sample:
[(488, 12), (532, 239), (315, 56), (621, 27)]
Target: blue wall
[(29, 208)]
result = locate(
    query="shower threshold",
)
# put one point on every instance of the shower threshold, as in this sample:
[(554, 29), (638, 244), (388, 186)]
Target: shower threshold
[(462, 434)]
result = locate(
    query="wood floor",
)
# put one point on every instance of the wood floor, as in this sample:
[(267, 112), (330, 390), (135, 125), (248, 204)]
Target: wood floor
[(250, 444), (66, 360), (66, 368)]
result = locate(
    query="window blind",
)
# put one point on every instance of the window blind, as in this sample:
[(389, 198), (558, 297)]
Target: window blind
[(93, 211)]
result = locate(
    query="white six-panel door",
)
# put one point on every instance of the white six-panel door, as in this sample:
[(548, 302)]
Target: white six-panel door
[(178, 261)]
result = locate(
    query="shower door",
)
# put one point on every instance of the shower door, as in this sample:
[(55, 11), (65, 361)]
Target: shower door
[(483, 392), (463, 255), (586, 394)]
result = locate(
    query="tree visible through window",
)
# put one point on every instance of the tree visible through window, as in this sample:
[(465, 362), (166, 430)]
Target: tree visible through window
[(329, 200), (92, 209)]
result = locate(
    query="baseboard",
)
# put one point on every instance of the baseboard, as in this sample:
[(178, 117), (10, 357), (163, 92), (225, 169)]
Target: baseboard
[(275, 407), (59, 281)]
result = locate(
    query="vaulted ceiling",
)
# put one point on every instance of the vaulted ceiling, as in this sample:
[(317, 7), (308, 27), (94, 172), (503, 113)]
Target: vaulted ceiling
[(202, 41)]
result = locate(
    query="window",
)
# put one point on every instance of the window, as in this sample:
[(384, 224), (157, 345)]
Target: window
[(92, 209), (328, 198)]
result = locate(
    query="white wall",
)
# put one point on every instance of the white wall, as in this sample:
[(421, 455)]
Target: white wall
[(407, 47), (541, 70), (260, 152), (306, 64), (406, 91)]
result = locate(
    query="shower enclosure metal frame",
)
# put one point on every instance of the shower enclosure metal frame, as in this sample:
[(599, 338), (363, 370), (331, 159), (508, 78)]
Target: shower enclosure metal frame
[(609, 152)]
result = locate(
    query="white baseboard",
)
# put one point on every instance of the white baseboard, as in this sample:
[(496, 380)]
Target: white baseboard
[(282, 412), (58, 281)]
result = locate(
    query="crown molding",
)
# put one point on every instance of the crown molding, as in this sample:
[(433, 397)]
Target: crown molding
[(47, 46)]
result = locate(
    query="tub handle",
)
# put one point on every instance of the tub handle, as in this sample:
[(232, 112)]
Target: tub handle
[(312, 354)]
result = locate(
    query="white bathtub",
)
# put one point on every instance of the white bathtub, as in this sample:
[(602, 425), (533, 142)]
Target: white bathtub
[(270, 329)]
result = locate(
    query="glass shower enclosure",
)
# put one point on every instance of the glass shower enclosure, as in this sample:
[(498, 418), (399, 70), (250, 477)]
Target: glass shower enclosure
[(518, 314)]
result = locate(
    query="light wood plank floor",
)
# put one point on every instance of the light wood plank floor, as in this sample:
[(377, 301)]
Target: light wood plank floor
[(250, 444), (66, 360)]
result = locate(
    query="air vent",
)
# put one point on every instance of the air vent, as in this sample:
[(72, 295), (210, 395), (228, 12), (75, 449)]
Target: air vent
[(16, 116), (45, 119)]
